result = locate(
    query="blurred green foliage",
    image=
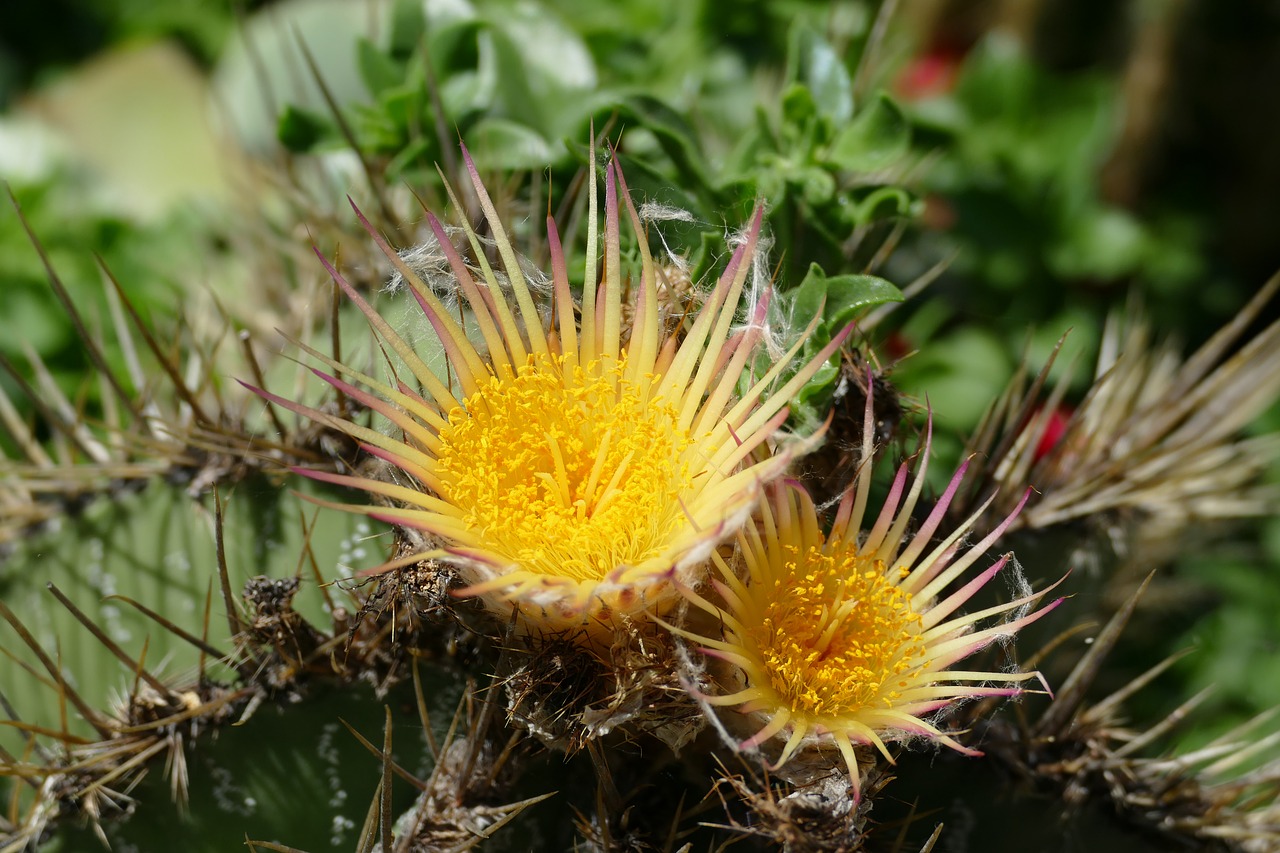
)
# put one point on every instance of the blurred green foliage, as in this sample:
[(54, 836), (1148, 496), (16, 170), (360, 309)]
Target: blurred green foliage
[(1021, 151), (1035, 248), (39, 39), (80, 239), (522, 88)]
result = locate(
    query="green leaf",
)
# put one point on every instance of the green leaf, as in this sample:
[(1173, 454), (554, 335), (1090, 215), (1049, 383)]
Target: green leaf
[(401, 105), (513, 84), (1107, 244), (883, 203), (798, 106), (813, 401), (678, 141), (810, 297), (377, 70), (840, 298), (877, 137), (300, 130), (998, 77), (408, 25), (375, 129), (817, 185), (417, 152), (502, 144), (812, 61), (850, 295), (555, 56), (1039, 128)]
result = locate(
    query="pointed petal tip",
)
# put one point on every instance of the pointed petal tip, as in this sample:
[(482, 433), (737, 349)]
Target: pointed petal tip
[(1026, 496), (611, 187), (757, 217), (1045, 684)]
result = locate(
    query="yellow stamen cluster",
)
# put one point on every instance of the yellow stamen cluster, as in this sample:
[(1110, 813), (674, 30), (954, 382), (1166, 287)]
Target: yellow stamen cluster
[(574, 471), (567, 470), (841, 638), (594, 470), (834, 635)]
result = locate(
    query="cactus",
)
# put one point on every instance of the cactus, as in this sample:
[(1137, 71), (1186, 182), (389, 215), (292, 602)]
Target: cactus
[(454, 542)]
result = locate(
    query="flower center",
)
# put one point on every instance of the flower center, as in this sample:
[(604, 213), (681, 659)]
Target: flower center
[(570, 472), (836, 636)]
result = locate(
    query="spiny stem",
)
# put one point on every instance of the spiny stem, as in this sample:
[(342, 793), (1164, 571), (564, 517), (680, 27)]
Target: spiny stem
[(233, 618), (64, 690), (170, 369), (110, 644), (60, 291)]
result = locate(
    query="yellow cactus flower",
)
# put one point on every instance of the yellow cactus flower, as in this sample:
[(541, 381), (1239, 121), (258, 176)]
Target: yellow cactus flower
[(575, 465), (846, 638)]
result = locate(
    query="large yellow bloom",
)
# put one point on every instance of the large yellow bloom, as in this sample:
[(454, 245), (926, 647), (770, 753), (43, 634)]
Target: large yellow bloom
[(576, 463), (846, 638)]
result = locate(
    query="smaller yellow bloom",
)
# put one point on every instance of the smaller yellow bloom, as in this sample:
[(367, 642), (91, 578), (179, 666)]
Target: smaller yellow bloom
[(846, 638)]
